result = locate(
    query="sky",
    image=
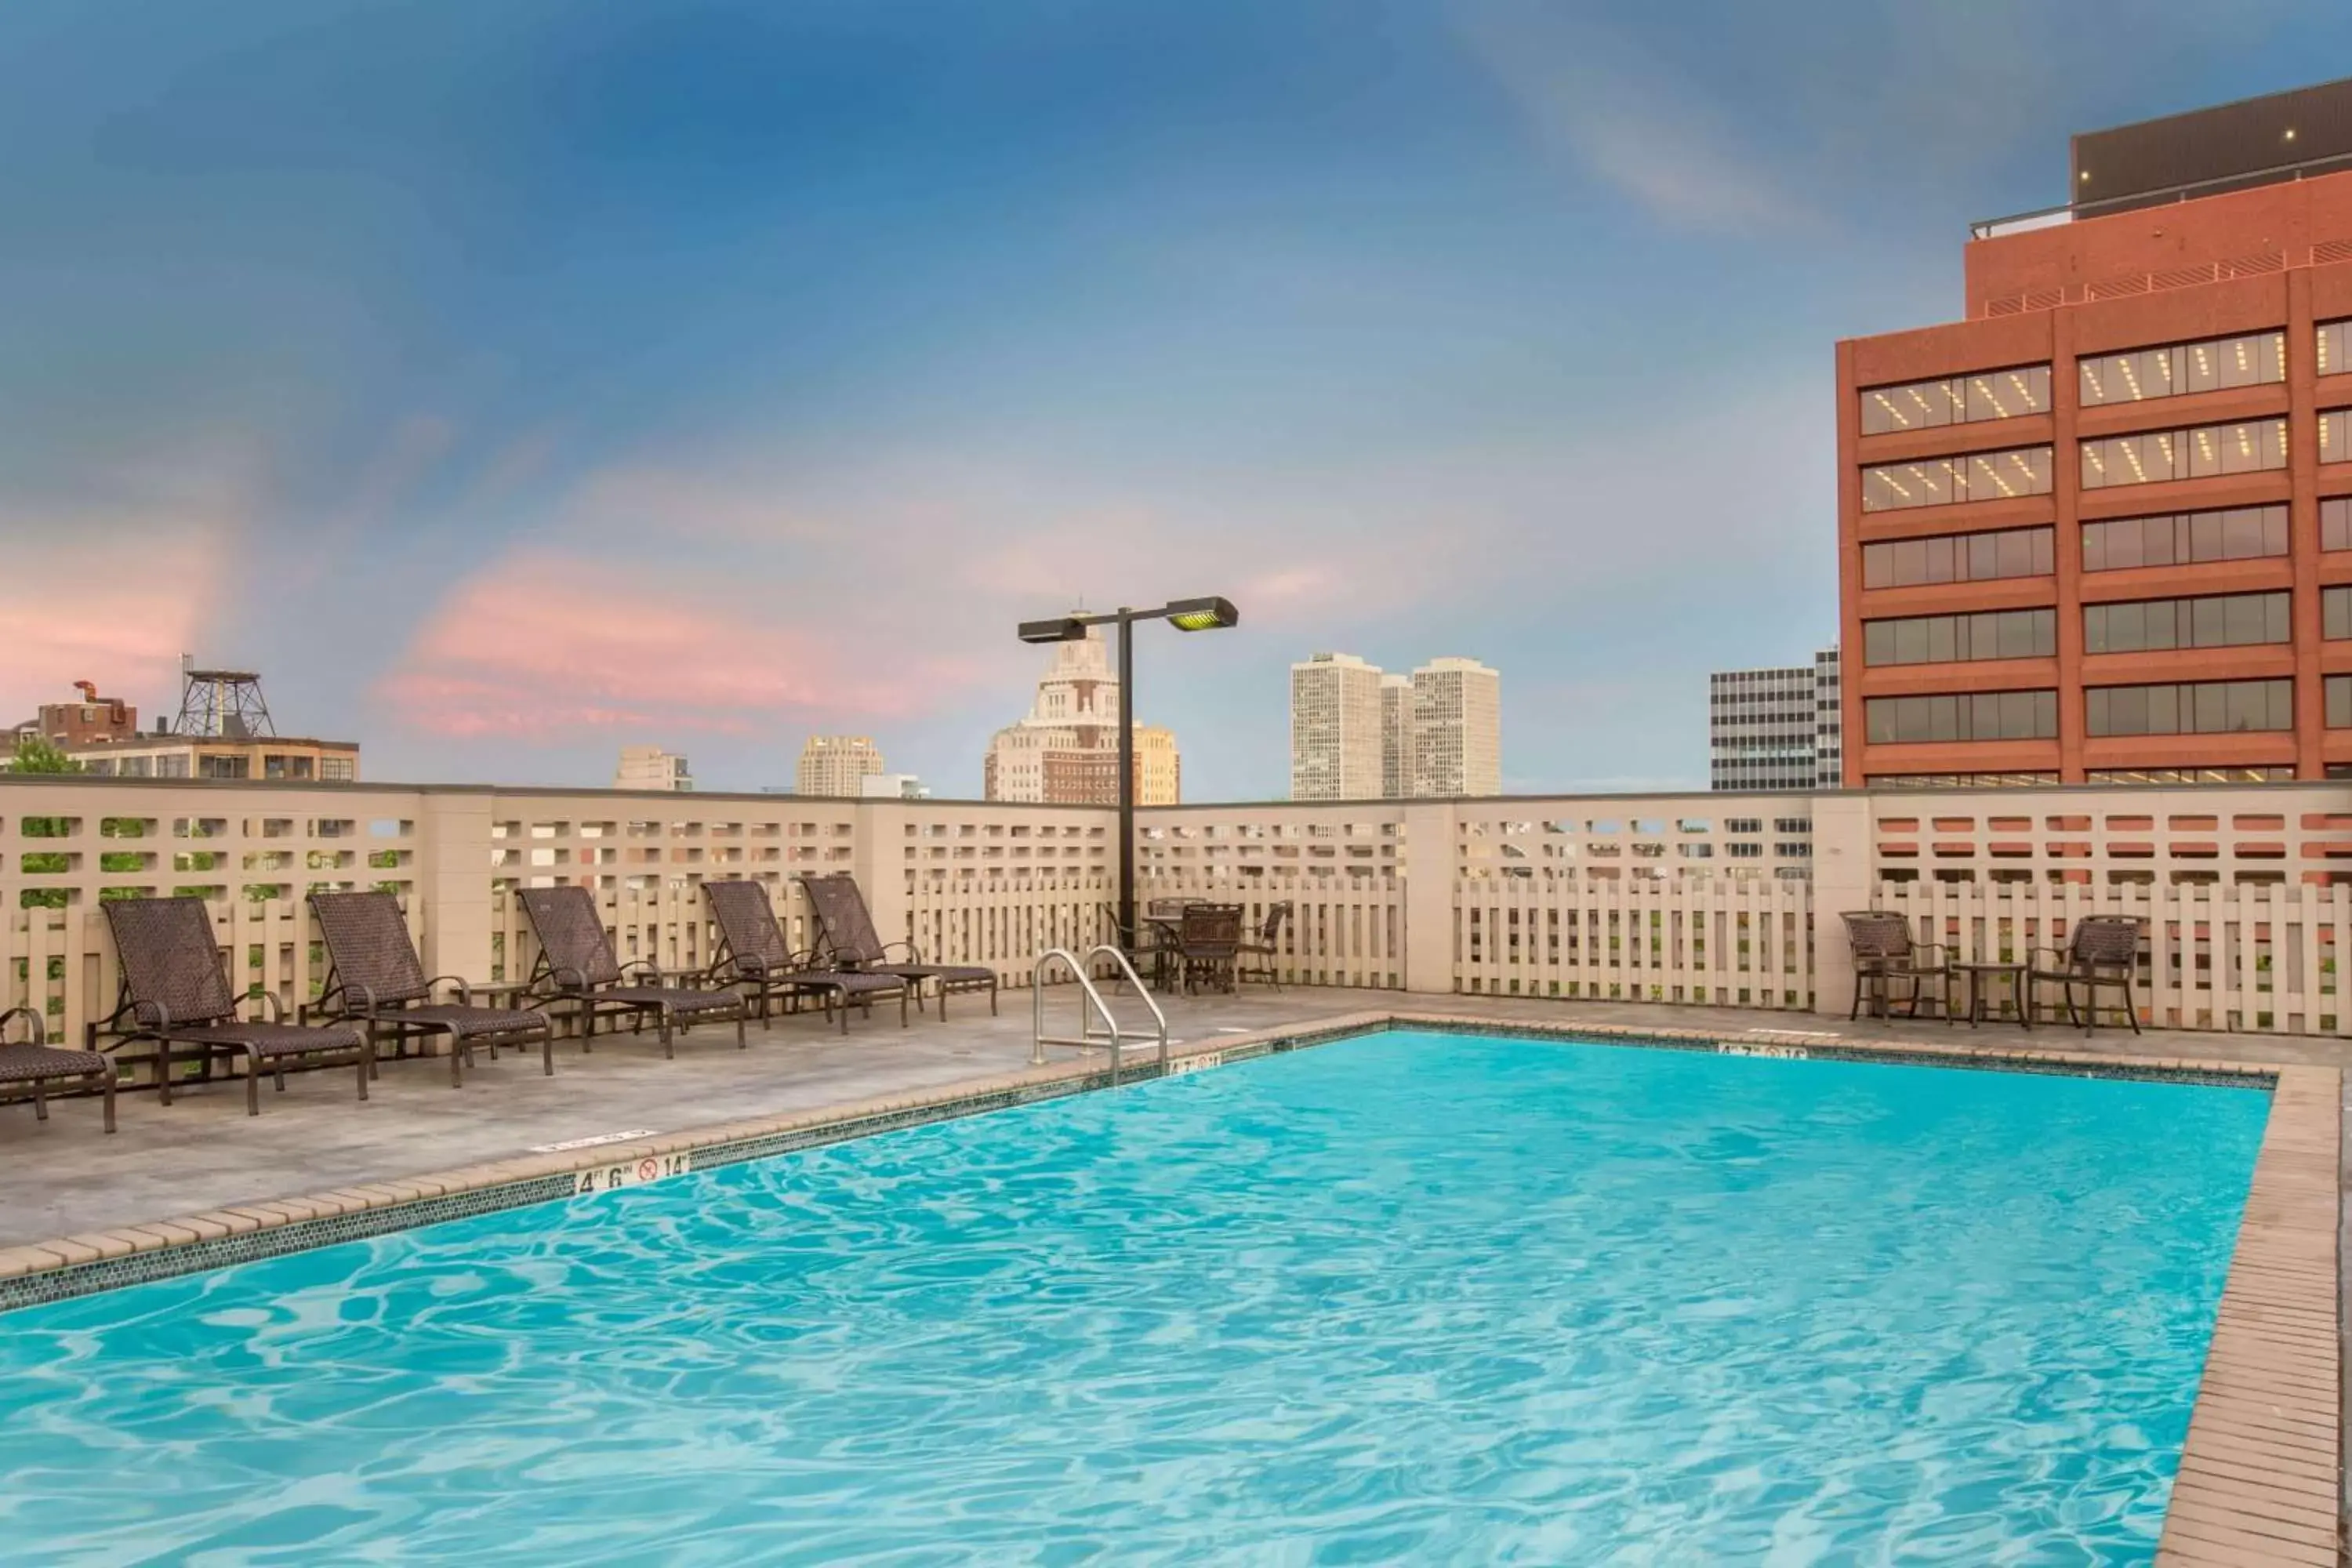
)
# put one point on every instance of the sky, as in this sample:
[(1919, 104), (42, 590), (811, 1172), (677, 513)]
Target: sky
[(508, 383)]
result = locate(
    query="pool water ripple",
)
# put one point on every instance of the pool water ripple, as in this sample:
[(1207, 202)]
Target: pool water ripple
[(1400, 1298)]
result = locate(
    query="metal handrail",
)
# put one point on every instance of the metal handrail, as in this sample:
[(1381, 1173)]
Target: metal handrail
[(2161, 196), (1110, 1036)]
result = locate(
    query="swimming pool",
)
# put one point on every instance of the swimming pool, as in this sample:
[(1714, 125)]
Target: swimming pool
[(1401, 1298)]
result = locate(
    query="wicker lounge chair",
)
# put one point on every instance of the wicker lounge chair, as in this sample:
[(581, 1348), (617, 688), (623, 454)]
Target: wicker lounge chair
[(1884, 957), (752, 954), (576, 964), (1255, 957), (851, 943), (175, 992), (2104, 950), (37, 1064), (375, 979)]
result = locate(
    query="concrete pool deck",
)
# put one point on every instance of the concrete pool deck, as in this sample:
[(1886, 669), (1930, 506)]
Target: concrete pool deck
[(2262, 1480)]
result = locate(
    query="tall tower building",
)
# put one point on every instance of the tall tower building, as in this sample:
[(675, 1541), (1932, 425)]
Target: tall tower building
[(2097, 530), (1335, 729), (1457, 719), (1065, 751), (1397, 749), (836, 766), (1768, 729)]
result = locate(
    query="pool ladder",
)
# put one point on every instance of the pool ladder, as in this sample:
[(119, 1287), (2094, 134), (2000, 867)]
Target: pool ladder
[(1093, 1036)]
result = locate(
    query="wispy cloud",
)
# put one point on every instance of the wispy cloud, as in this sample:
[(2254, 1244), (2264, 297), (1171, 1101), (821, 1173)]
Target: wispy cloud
[(121, 605), (1620, 113)]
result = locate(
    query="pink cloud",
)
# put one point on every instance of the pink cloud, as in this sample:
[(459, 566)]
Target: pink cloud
[(120, 611), (543, 646)]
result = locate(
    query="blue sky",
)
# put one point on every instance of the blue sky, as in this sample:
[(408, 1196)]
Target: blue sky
[(511, 382)]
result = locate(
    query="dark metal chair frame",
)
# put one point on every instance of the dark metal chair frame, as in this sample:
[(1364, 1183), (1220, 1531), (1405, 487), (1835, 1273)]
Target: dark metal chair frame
[(37, 1064), (1885, 953), (576, 964), (375, 978), (2102, 949), (751, 953), (1266, 946), (175, 992), (850, 943)]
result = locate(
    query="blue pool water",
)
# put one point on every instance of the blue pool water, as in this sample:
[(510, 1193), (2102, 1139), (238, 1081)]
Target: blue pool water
[(1400, 1298)]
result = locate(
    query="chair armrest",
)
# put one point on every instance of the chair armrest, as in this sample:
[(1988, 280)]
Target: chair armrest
[(913, 956), (465, 991), (277, 1009), (40, 1034)]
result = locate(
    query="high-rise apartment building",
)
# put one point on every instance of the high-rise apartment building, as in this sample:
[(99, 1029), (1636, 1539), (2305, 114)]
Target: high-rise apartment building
[(1457, 724), (1335, 729), (1775, 728), (1065, 751), (2100, 530), (1396, 736), (650, 767), (836, 766)]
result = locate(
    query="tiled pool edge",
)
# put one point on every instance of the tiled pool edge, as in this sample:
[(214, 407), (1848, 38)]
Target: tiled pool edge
[(2261, 1477)]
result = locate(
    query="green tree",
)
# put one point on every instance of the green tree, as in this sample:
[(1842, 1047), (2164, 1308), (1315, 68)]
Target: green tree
[(38, 754)]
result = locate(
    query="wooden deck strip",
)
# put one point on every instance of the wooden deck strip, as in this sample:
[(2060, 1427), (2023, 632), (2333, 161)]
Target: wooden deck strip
[(2260, 1476)]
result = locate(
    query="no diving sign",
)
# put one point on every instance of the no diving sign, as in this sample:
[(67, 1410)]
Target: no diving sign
[(631, 1174)]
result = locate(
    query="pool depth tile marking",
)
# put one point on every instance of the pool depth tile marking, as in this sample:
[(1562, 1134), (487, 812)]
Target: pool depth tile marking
[(2261, 1474)]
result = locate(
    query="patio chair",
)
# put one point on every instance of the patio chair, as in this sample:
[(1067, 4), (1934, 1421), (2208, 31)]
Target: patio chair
[(576, 964), (853, 943), (375, 979), (1255, 959), (752, 954), (175, 992), (1208, 943), (2103, 950), (37, 1064), (1885, 956)]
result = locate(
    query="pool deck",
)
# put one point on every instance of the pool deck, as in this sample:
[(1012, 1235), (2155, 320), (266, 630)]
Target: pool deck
[(2262, 1480)]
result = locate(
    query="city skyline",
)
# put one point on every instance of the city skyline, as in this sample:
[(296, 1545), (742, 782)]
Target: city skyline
[(397, 409)]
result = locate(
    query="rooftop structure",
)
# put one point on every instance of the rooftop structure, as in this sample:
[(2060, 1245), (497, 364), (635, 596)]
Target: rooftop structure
[(650, 767)]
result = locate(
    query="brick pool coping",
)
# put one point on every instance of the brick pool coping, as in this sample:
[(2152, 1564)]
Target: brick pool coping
[(2260, 1476)]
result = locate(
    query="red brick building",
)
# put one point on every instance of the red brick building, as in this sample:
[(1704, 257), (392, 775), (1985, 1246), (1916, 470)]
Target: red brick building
[(2100, 528)]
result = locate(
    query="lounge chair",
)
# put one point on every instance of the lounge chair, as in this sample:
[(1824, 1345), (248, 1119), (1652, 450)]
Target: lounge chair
[(853, 943), (35, 1063), (175, 992), (2103, 950), (576, 964), (1885, 956), (1255, 958), (375, 979), (752, 954)]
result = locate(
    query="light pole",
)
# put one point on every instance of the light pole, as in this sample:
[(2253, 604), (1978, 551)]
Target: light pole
[(1185, 615)]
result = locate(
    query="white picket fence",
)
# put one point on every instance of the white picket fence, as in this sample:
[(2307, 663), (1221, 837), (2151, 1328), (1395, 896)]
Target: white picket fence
[(1341, 931), (2252, 958), (1704, 941), (1006, 923)]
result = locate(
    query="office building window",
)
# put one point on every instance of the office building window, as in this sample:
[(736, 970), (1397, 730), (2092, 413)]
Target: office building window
[(2186, 775), (2339, 703), (1956, 400), (1960, 781), (1941, 481), (2159, 454), (1959, 558), (2335, 613), (2335, 523), (2336, 436), (2178, 538), (1962, 716), (1934, 640), (2332, 346), (2222, 620), (2198, 707), (2205, 366)]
